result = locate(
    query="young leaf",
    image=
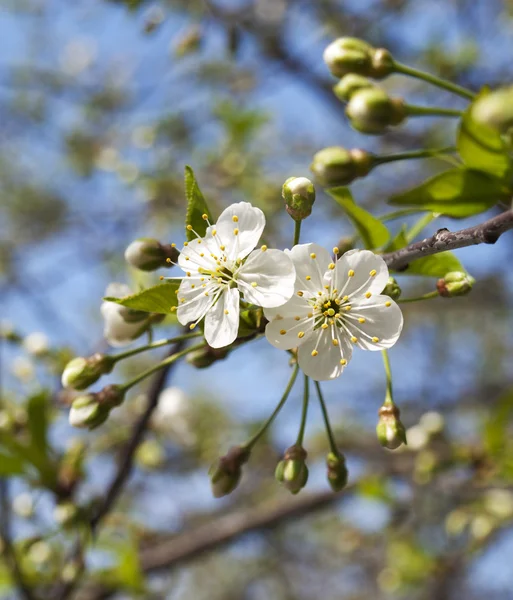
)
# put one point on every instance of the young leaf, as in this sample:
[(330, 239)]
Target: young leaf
[(157, 299), (372, 231), (399, 241), (482, 147), (456, 193), (38, 420), (196, 206), (436, 265)]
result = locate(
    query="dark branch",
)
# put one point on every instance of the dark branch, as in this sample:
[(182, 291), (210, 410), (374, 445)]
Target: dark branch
[(485, 233)]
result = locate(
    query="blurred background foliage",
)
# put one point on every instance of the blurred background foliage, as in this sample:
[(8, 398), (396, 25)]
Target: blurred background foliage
[(102, 104)]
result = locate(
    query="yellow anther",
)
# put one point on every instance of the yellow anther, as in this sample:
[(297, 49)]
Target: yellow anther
[(314, 353), (253, 284), (326, 287), (334, 342), (226, 312), (331, 266), (308, 278), (214, 231), (331, 322), (325, 313), (176, 292), (343, 362), (173, 245), (373, 273), (204, 285), (354, 339), (202, 254), (161, 278), (301, 334), (202, 279), (388, 303), (168, 260), (350, 273), (173, 308), (319, 293), (182, 300), (186, 243), (345, 298), (331, 312), (192, 286), (236, 231), (368, 295), (263, 248), (189, 228), (324, 326), (218, 262), (204, 216), (313, 255), (188, 273), (192, 326), (297, 318), (335, 250), (300, 294), (375, 340), (283, 331), (222, 248), (309, 315), (347, 307), (361, 320), (327, 305), (219, 280), (335, 291), (187, 258), (206, 293), (235, 219)]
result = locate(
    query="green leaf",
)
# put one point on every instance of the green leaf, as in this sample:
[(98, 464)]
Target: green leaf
[(456, 193), (38, 420), (196, 207), (159, 299), (11, 465), (399, 241), (482, 147), (372, 231), (436, 265)]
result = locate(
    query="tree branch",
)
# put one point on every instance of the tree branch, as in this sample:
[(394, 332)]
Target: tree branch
[(443, 240)]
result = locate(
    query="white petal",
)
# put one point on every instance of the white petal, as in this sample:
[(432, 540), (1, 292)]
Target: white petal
[(249, 223), (222, 320), (285, 333), (295, 306), (117, 331), (310, 271), (191, 259), (362, 263), (192, 301), (118, 290), (327, 364), (383, 322), (267, 278)]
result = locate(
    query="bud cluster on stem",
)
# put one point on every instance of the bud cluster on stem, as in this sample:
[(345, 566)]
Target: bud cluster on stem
[(292, 471), (226, 472)]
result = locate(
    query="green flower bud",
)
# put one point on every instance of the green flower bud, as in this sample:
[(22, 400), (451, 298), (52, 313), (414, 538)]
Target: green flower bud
[(337, 471), (226, 472), (350, 84), (292, 471), (204, 357), (335, 166), (351, 55), (455, 283), (390, 431), (148, 254), (87, 412), (392, 289), (372, 111), (81, 372), (299, 196), (495, 110), (111, 395)]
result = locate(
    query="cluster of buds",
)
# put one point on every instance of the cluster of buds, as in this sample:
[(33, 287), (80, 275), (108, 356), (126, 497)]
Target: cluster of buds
[(390, 430), (92, 410), (455, 283), (226, 472), (371, 110), (392, 289), (299, 196), (292, 471), (351, 55), (80, 372), (336, 166), (148, 254), (336, 471)]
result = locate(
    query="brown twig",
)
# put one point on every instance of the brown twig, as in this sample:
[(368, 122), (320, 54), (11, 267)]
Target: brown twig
[(443, 240)]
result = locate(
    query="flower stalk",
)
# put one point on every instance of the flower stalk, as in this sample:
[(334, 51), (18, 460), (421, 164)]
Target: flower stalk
[(433, 80)]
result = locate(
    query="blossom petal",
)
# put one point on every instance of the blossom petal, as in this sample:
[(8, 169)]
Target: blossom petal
[(267, 278), (382, 326), (296, 306), (359, 272), (117, 331), (222, 320), (330, 360), (193, 301), (197, 255), (247, 221), (311, 262), (289, 332)]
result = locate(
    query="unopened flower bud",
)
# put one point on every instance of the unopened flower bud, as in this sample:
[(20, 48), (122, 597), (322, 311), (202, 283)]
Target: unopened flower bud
[(111, 395), (226, 472), (455, 283), (495, 109), (148, 254), (390, 431), (337, 471), (351, 55), (392, 289), (336, 166), (204, 357), (87, 413), (292, 471), (299, 196), (81, 372), (372, 111), (350, 84)]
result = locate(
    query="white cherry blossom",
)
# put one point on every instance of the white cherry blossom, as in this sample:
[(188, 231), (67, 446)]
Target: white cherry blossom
[(337, 304), (222, 266)]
